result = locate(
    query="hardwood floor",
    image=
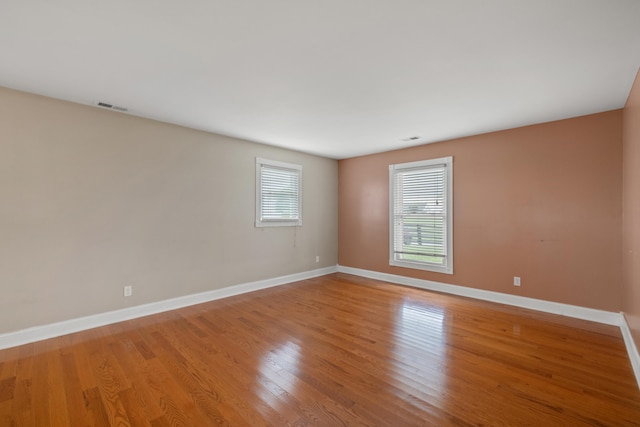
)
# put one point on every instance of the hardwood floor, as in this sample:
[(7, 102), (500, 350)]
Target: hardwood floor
[(333, 351)]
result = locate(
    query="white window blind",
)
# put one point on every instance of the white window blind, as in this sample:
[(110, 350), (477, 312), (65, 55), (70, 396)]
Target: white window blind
[(421, 215), (278, 193)]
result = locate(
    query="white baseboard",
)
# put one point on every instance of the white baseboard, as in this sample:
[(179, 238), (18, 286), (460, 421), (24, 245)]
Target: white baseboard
[(38, 333), (634, 356), (600, 316), (591, 314)]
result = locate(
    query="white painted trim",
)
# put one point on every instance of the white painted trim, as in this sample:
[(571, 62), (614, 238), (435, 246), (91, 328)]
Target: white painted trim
[(38, 333), (592, 314), (634, 356), (447, 162), (260, 162)]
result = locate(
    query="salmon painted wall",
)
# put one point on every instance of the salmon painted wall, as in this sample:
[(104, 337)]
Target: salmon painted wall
[(543, 202), (631, 203)]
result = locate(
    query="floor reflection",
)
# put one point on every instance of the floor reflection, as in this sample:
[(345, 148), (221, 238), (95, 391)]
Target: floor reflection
[(277, 374), (421, 345), (417, 315)]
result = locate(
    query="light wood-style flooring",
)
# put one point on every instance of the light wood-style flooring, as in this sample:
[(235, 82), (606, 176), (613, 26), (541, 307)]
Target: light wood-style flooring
[(337, 350)]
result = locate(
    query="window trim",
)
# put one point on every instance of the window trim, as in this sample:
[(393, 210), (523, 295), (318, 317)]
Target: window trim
[(448, 164), (260, 162)]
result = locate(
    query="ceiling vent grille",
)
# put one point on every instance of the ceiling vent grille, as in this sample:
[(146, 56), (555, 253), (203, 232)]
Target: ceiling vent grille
[(411, 138), (111, 106)]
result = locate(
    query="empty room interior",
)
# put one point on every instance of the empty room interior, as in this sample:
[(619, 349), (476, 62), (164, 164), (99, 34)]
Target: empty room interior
[(336, 213)]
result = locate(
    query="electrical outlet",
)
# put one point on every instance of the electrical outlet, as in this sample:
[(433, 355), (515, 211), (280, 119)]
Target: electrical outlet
[(516, 281), (128, 290), (317, 258)]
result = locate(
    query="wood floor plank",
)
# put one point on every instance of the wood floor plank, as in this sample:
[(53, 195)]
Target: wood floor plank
[(58, 408), (73, 389), (139, 399), (110, 381), (337, 350), (226, 384)]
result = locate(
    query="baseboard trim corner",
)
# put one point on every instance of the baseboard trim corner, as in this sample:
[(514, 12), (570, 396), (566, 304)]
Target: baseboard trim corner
[(43, 332), (632, 349)]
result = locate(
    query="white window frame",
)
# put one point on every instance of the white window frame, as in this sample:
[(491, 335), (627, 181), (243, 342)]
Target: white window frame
[(395, 258), (274, 165)]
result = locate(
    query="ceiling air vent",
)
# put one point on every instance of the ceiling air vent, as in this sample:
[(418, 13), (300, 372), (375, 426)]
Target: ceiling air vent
[(111, 106)]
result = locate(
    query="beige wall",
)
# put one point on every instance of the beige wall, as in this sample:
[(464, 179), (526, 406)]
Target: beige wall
[(542, 202), (92, 200), (631, 212)]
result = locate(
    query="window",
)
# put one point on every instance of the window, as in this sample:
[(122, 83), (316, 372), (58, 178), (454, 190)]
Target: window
[(278, 193), (421, 223)]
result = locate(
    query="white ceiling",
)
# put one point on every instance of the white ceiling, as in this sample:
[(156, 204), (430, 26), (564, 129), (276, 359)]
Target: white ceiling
[(338, 78)]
